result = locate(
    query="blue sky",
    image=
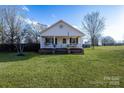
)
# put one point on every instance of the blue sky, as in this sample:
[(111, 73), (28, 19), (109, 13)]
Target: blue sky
[(49, 14)]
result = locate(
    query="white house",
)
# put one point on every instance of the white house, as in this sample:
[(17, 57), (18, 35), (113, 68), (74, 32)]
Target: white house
[(61, 35)]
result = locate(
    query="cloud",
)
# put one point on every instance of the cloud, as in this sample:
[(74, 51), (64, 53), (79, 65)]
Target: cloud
[(25, 8), (29, 21)]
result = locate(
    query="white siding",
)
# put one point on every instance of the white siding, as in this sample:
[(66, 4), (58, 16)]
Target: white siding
[(64, 31)]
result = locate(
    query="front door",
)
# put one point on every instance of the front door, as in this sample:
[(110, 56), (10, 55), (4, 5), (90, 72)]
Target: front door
[(64, 41)]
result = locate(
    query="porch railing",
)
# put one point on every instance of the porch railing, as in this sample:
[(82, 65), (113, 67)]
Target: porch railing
[(62, 46)]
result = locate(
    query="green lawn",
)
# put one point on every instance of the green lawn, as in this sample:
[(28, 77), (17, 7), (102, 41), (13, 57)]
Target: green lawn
[(102, 67)]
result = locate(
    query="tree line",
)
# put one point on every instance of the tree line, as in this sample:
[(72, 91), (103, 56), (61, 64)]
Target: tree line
[(14, 28)]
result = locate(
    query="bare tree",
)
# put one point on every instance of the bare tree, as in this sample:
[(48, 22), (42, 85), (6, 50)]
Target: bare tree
[(93, 25), (36, 30), (27, 36), (20, 35), (14, 18), (1, 31), (2, 28)]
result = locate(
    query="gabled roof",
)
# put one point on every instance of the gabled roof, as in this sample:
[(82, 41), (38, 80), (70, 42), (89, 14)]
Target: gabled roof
[(64, 23)]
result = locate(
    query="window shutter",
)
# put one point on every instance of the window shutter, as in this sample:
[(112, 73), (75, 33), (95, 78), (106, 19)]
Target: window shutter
[(70, 40), (55, 40), (77, 40)]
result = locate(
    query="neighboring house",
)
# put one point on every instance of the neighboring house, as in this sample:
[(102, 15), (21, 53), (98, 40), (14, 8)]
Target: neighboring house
[(61, 35)]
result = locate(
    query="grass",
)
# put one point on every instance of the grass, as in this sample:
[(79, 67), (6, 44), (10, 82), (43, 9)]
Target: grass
[(102, 67)]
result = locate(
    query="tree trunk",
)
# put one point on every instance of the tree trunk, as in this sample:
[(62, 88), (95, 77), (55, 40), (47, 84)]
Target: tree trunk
[(92, 42), (12, 41)]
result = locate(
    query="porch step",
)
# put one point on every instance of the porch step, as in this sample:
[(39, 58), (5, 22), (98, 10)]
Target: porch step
[(46, 51), (61, 50), (76, 50)]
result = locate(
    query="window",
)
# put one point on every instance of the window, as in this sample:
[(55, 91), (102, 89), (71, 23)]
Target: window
[(73, 40), (61, 26), (64, 41), (48, 40)]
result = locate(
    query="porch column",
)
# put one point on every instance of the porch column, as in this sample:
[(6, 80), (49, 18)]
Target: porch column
[(68, 45), (54, 41), (80, 42), (68, 41)]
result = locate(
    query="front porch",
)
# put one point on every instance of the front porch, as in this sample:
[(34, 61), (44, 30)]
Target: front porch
[(60, 42)]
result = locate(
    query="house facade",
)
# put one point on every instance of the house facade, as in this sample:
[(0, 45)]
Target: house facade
[(61, 35)]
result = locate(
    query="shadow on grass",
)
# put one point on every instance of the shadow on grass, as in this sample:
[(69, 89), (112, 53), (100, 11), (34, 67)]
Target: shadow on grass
[(12, 57)]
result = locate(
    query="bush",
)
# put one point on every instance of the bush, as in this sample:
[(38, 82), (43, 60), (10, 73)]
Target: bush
[(12, 48), (86, 45)]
